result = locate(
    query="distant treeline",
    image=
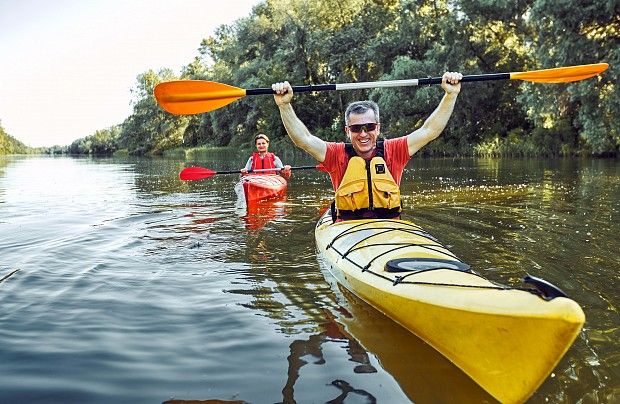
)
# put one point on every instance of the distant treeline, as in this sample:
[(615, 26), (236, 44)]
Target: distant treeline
[(339, 41), (10, 145)]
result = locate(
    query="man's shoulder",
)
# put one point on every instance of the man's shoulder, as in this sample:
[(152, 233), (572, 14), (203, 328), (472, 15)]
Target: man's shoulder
[(397, 149), (395, 140), (335, 154), (335, 146), (395, 143)]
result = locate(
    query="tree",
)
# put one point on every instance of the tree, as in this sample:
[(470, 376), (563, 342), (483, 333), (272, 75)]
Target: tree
[(10, 145), (338, 41), (103, 142), (149, 129), (576, 32)]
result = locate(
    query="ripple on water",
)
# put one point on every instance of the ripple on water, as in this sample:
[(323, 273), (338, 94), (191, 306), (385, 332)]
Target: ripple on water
[(131, 285)]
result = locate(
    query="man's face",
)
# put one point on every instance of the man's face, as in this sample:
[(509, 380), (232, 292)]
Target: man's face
[(262, 145), (363, 136)]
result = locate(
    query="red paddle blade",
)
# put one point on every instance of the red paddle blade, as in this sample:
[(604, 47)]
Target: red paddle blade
[(196, 173), (187, 97)]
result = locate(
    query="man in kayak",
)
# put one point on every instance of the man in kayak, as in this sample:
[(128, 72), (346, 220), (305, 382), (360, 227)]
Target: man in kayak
[(262, 159), (366, 173)]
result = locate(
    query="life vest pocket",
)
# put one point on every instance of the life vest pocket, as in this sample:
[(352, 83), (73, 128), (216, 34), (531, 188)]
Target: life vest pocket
[(352, 196), (385, 194)]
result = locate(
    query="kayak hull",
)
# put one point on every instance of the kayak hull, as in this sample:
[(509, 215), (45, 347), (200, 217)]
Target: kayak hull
[(258, 187), (507, 340)]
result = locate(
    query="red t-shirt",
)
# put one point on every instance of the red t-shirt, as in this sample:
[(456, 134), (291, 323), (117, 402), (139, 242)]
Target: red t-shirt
[(395, 153)]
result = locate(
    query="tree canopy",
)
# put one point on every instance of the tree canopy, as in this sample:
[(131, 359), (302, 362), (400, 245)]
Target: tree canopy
[(308, 42)]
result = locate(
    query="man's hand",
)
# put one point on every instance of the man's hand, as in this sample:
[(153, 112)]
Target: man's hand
[(450, 82), (284, 93)]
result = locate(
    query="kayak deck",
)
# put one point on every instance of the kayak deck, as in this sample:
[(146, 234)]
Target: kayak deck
[(257, 187), (506, 339)]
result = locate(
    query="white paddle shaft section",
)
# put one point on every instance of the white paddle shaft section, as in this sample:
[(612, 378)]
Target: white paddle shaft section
[(377, 84)]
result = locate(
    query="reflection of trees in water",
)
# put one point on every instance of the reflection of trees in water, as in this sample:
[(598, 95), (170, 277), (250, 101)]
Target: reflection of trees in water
[(346, 389), (494, 213), (4, 162), (157, 176), (284, 283), (423, 374), (214, 401), (332, 332), (287, 286), (283, 276)]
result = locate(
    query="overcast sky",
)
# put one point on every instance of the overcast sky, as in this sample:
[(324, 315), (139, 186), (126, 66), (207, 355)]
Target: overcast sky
[(67, 66)]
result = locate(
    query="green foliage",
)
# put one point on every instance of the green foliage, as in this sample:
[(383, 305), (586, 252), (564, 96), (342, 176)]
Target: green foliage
[(103, 143), (150, 130), (339, 41), (10, 145), (577, 32), (556, 142)]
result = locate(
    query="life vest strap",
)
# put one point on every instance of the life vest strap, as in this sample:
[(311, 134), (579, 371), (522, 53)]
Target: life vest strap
[(376, 213)]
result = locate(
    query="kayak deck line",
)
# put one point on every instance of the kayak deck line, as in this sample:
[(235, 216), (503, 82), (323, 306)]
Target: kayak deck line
[(401, 279), (484, 328)]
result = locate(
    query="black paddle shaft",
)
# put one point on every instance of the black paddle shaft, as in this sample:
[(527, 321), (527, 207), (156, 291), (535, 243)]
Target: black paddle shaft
[(266, 169), (296, 89), (421, 82), (472, 77)]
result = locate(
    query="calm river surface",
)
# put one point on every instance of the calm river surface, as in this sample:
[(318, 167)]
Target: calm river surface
[(121, 283)]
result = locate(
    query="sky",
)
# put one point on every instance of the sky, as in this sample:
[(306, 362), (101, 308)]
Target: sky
[(67, 66)]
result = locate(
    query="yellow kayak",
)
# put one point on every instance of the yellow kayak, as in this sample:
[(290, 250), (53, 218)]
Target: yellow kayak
[(507, 339)]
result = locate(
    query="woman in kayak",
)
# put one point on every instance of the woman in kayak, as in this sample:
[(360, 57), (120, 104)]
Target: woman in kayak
[(262, 159), (366, 173)]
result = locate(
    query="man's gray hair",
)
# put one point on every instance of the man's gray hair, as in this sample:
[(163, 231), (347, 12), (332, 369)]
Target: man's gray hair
[(360, 107)]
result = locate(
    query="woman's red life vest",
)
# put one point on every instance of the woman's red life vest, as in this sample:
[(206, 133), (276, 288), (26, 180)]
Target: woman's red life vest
[(258, 163)]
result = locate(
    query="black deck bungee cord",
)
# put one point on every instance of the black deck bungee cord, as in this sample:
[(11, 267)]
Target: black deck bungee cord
[(406, 227)]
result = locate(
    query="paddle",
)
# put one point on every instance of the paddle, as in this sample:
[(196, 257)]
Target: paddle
[(186, 97), (200, 173)]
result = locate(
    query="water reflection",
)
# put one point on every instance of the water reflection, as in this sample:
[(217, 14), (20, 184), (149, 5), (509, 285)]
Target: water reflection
[(210, 401), (424, 375), (79, 231), (332, 332), (256, 215), (556, 219)]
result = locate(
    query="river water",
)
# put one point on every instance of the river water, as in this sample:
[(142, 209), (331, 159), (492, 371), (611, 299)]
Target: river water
[(121, 283)]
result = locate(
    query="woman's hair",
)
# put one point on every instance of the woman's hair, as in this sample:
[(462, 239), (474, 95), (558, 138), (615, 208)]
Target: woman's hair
[(261, 136)]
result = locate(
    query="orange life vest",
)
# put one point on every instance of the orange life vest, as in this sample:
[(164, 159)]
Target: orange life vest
[(367, 189)]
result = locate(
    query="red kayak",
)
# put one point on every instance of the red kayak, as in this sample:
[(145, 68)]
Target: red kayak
[(257, 187)]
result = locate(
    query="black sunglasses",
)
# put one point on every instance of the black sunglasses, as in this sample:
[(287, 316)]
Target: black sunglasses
[(366, 127)]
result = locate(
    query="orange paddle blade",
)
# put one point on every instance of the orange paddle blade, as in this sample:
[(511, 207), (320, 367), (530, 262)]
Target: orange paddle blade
[(188, 97), (561, 74)]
